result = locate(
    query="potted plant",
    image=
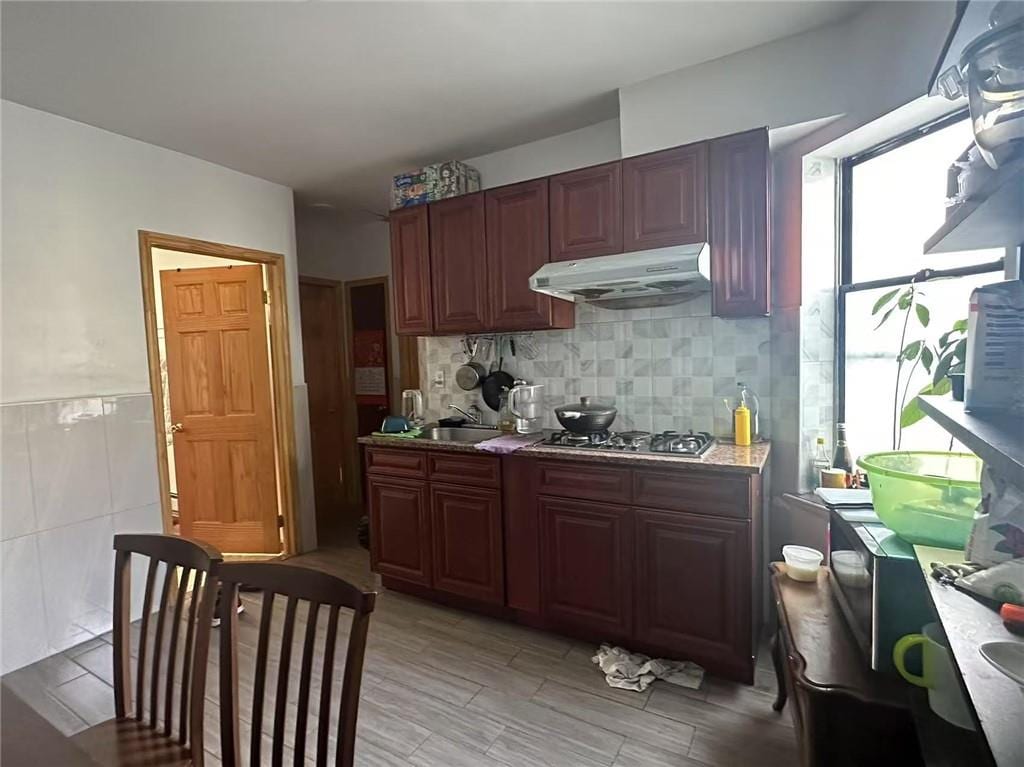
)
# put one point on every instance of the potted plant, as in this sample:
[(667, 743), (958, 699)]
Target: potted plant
[(944, 361)]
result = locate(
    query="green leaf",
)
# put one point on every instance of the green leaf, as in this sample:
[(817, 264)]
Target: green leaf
[(944, 339), (942, 368), (883, 301), (945, 386), (905, 301), (911, 350), (923, 315), (911, 414), (885, 317), (960, 325), (960, 350), (927, 358)]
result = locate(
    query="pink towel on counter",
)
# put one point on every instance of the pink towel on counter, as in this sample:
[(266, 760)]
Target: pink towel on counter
[(508, 443)]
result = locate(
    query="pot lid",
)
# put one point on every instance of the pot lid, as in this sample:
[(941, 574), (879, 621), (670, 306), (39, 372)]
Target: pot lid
[(587, 406)]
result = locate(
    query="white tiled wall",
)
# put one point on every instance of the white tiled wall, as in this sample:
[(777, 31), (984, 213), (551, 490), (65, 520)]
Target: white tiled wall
[(73, 473), (663, 368)]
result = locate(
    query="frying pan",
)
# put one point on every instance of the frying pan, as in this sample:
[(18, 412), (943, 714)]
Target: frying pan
[(495, 383)]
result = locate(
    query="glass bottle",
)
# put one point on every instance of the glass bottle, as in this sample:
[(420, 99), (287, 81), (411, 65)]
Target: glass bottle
[(748, 399), (506, 419), (842, 458), (819, 461)]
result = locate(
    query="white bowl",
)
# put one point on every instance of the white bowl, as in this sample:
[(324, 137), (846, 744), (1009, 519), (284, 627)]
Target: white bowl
[(802, 563), (1008, 657)]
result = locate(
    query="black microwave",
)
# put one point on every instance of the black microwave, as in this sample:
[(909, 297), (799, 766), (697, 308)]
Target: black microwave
[(877, 582)]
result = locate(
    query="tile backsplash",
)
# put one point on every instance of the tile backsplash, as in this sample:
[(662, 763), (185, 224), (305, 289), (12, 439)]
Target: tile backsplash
[(74, 473), (663, 368)]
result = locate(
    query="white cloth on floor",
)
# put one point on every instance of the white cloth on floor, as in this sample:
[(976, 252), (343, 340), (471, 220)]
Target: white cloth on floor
[(633, 671)]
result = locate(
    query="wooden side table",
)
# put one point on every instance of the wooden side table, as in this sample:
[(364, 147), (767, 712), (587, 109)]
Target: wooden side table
[(843, 712)]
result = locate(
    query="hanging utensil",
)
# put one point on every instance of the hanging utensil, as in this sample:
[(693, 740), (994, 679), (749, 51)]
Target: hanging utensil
[(471, 373), (497, 382)]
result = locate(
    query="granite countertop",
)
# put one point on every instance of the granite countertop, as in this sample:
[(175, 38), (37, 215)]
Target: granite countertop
[(722, 456)]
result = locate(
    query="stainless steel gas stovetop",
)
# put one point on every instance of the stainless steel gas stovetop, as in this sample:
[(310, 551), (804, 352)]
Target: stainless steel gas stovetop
[(672, 442)]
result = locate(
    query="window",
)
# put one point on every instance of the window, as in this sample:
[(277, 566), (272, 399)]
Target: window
[(892, 200)]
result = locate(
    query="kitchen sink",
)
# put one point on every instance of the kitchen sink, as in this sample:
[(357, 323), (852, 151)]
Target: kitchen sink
[(459, 433)]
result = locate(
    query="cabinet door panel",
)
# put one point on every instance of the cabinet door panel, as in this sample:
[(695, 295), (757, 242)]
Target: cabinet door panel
[(586, 555), (517, 246), (410, 266), (693, 591), (400, 529), (586, 212), (459, 264), (739, 225), (467, 542), (665, 198)]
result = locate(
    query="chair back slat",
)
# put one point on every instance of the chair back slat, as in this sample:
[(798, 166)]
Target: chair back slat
[(140, 669), (305, 675), (172, 650), (283, 672), (323, 731), (158, 647), (348, 709), (199, 564), (260, 676), (122, 633), (186, 660), (318, 589), (229, 749)]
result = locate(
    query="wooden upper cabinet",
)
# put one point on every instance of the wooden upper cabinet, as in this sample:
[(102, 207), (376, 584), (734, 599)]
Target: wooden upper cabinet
[(458, 264), (410, 267), (665, 198), (586, 212), (517, 246), (740, 270)]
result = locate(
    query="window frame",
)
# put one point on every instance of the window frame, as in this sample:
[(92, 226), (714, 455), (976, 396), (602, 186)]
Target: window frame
[(844, 266)]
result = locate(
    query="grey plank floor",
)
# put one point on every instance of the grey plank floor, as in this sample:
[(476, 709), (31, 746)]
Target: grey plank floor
[(444, 687)]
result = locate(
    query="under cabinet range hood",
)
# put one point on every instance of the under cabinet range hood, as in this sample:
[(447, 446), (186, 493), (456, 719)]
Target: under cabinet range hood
[(629, 280)]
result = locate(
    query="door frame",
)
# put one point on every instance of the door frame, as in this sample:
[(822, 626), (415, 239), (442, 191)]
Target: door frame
[(280, 363)]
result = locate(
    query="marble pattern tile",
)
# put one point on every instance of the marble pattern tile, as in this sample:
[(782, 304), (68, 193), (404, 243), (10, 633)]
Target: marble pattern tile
[(662, 368)]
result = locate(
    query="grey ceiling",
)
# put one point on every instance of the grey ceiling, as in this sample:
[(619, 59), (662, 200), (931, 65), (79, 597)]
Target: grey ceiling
[(333, 98)]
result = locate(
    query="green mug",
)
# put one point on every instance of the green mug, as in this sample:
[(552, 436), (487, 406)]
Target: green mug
[(938, 675)]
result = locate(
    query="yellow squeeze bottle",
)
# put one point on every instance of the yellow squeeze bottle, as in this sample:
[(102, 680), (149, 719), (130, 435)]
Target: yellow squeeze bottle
[(741, 420)]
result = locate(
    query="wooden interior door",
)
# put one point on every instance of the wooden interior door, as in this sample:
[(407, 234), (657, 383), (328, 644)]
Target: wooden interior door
[(320, 307), (218, 373)]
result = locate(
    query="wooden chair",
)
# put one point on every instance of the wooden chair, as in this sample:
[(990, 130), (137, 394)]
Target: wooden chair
[(134, 738), (320, 590)]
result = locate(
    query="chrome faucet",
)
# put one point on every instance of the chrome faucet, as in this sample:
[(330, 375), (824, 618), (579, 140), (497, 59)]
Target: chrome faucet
[(474, 415)]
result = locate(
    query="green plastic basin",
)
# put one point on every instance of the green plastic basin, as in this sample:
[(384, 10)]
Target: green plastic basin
[(925, 497)]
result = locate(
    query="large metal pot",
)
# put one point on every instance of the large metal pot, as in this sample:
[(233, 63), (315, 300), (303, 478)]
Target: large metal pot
[(586, 417)]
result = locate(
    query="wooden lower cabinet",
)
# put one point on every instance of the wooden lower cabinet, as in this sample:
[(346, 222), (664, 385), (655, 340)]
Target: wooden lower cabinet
[(586, 577), (466, 533), (693, 588), (400, 529), (520, 538)]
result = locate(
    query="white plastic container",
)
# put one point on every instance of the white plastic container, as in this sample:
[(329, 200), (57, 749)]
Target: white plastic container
[(802, 563)]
